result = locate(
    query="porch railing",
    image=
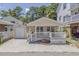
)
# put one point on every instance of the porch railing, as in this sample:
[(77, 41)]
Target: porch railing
[(52, 36)]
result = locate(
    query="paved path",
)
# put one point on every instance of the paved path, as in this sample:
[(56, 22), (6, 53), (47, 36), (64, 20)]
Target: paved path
[(18, 46), (13, 45)]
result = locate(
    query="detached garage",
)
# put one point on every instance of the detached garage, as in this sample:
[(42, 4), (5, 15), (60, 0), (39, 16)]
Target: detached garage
[(19, 28)]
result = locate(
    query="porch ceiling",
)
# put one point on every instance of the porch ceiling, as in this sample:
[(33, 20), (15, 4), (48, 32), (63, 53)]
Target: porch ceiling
[(44, 21)]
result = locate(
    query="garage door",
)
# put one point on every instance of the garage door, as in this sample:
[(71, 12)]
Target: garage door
[(19, 32)]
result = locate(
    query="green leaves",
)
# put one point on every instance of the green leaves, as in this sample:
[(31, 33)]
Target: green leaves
[(33, 14), (51, 10), (12, 12), (43, 11)]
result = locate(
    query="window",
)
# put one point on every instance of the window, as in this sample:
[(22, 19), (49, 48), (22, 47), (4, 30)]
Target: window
[(48, 28), (60, 18), (12, 21), (37, 29), (76, 13), (41, 29), (5, 28), (64, 5), (66, 18), (11, 29)]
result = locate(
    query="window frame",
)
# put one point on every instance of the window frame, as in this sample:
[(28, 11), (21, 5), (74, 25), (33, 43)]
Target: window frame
[(48, 29), (64, 5)]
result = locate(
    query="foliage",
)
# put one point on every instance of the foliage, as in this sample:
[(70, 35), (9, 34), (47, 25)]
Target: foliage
[(1, 38), (43, 11), (33, 14), (12, 12), (51, 10), (4, 13), (24, 19)]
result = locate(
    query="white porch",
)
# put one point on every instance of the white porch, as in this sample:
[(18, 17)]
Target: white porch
[(53, 37)]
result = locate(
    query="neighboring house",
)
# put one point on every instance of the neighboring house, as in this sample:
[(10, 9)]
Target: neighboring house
[(63, 12), (45, 29), (6, 29), (19, 28), (68, 13)]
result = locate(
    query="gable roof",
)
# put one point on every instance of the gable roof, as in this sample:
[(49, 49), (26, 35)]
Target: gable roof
[(10, 19), (5, 22), (44, 21)]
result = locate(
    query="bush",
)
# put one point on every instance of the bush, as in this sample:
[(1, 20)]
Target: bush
[(0, 38), (67, 42)]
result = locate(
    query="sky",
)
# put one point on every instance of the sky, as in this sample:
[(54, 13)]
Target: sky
[(25, 6)]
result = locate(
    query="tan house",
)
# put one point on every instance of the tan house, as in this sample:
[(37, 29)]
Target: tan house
[(45, 28), (5, 30)]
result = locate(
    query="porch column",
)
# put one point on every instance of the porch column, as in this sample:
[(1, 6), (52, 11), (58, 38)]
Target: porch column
[(50, 29), (50, 34), (28, 30), (29, 35), (35, 32), (69, 35), (60, 28)]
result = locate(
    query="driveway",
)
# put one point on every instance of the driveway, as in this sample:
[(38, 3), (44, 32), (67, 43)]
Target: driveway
[(21, 47)]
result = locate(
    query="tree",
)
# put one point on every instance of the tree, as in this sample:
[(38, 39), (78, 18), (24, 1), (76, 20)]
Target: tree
[(33, 14), (51, 10), (37, 12), (43, 11), (24, 19), (4, 13), (12, 13), (18, 10)]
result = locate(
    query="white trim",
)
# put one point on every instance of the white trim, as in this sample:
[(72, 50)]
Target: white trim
[(61, 36), (35, 32), (50, 28), (31, 37)]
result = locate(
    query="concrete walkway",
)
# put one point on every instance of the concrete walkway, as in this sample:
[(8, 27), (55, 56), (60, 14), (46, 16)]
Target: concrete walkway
[(21, 45)]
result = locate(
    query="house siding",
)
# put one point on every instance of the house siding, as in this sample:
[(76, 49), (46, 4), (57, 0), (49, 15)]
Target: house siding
[(73, 10), (63, 12), (2, 28)]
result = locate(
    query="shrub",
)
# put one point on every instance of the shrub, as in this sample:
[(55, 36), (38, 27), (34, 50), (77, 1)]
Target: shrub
[(1, 38), (67, 42)]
